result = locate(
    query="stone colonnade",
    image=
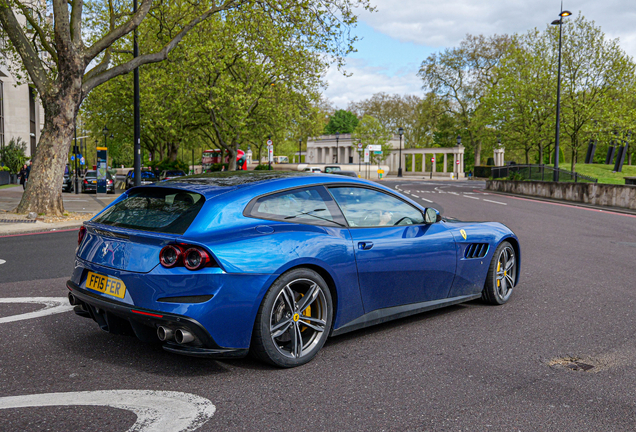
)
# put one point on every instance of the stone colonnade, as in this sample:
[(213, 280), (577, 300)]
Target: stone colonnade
[(456, 153)]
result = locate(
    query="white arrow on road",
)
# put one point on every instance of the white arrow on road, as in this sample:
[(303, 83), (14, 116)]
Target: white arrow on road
[(2, 261), (156, 411), (52, 305)]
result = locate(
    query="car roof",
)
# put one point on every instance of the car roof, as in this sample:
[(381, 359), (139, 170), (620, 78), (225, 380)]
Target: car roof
[(213, 184)]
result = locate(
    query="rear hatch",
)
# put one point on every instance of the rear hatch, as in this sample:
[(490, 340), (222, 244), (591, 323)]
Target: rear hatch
[(129, 234)]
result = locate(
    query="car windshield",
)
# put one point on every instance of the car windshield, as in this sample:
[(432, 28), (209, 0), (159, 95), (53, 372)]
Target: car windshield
[(174, 173), (154, 209), (91, 174)]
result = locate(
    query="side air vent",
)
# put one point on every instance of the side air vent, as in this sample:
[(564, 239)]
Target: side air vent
[(476, 250)]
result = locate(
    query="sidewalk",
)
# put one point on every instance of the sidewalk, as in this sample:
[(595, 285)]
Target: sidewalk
[(80, 207)]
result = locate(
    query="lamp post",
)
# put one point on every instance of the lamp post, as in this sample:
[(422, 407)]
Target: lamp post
[(269, 160), (300, 142), (400, 132), (337, 145), (459, 144), (558, 22)]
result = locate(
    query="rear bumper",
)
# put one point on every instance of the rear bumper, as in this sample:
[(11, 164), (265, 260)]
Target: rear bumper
[(121, 318)]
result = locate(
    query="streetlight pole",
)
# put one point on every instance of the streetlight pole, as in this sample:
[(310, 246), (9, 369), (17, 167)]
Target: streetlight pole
[(75, 158), (136, 114), (558, 22), (269, 160), (400, 132), (337, 145), (459, 143), (300, 143)]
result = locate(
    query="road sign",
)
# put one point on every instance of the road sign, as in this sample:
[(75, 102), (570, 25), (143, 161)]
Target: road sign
[(82, 161), (378, 152), (374, 147), (366, 155), (458, 162), (433, 159), (359, 146), (270, 142), (270, 154), (380, 171)]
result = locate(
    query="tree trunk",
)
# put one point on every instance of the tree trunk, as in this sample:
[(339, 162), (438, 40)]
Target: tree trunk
[(43, 193), (527, 155), (173, 151), (232, 155), (540, 154)]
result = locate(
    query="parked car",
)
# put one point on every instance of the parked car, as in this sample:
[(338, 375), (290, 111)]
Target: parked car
[(147, 178), (67, 183), (89, 182), (346, 173), (171, 174), (313, 169), (276, 262), (332, 169)]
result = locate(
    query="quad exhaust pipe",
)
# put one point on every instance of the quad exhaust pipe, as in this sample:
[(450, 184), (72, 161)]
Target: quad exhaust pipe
[(183, 336), (72, 299), (164, 333)]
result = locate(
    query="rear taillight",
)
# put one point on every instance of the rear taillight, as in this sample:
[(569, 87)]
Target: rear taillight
[(191, 257), (85, 181), (170, 256), (80, 235), (195, 258)]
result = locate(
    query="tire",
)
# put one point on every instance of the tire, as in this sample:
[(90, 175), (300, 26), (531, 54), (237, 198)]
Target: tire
[(283, 320), (502, 275)]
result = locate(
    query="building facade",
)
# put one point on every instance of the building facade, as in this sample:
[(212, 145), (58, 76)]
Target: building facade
[(329, 149), (21, 113)]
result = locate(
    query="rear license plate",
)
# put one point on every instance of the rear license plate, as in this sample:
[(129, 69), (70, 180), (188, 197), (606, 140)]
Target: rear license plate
[(106, 285), (94, 181)]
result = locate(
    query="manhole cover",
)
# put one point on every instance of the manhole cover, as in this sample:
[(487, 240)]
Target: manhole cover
[(16, 221)]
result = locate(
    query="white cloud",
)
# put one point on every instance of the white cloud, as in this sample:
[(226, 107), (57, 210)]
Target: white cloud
[(366, 80), (444, 23)]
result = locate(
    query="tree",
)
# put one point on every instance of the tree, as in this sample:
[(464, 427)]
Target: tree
[(462, 76), (596, 72), (13, 155), (80, 56), (522, 105), (341, 121), (370, 131)]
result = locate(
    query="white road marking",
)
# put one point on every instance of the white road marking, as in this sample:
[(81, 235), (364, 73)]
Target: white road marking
[(495, 202), (454, 193), (415, 196), (156, 410), (426, 200), (52, 305), (468, 196), (2, 261)]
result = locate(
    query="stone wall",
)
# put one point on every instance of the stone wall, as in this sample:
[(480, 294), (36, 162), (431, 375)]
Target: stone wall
[(589, 193)]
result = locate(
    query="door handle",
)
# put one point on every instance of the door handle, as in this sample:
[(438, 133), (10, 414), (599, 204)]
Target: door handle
[(365, 245)]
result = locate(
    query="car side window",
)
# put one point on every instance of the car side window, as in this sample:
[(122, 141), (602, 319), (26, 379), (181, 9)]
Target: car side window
[(304, 205), (364, 207)]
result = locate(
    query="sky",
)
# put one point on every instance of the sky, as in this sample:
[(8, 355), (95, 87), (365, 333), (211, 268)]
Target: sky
[(402, 33)]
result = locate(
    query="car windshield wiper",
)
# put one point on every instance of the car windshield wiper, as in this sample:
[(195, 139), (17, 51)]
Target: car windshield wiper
[(309, 213)]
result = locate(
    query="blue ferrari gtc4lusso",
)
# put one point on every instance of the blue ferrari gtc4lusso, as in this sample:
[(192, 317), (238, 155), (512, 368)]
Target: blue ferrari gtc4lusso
[(273, 263)]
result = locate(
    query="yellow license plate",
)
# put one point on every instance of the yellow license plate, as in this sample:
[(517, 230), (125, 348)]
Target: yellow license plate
[(106, 285), (94, 181)]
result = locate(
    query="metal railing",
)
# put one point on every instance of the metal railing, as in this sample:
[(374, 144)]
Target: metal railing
[(539, 173)]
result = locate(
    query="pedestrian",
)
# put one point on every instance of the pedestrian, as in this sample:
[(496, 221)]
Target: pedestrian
[(22, 175)]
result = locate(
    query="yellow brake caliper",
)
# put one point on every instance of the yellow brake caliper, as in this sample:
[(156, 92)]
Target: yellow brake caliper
[(498, 268), (306, 312)]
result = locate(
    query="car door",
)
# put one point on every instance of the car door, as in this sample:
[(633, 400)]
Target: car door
[(400, 259)]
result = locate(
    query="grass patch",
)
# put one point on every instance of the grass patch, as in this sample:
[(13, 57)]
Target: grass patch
[(604, 172), (9, 186)]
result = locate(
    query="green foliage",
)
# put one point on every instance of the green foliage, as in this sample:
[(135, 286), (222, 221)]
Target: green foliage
[(371, 131), (168, 164), (604, 172), (4, 168), (515, 176), (13, 155), (261, 167), (218, 167), (342, 121)]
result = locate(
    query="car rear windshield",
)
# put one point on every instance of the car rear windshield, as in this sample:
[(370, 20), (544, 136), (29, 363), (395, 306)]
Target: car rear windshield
[(162, 210), (175, 173)]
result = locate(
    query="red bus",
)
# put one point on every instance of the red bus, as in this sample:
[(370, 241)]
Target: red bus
[(211, 157)]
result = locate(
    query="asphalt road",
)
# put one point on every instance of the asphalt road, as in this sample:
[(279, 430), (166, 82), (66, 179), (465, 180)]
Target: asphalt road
[(472, 367)]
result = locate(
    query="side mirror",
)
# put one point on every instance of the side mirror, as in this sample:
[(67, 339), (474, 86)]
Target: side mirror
[(432, 216)]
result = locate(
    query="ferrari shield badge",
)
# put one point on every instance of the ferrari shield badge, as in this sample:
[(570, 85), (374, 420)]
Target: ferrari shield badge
[(463, 233)]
